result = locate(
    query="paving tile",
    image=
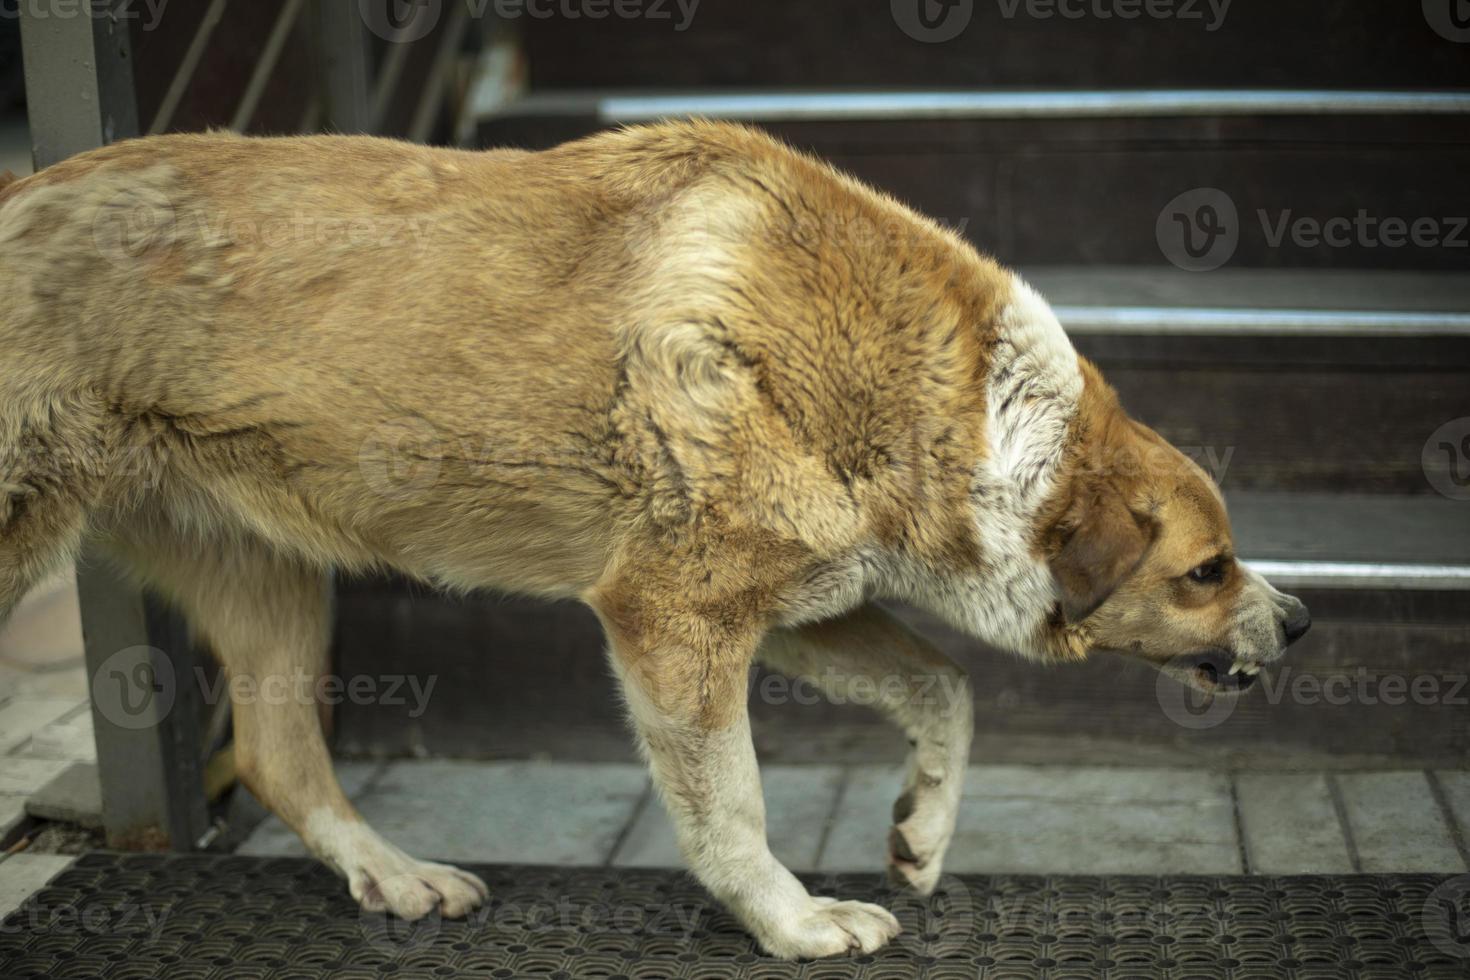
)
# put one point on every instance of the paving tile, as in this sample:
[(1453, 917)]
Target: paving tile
[(1291, 825), (22, 874), (798, 803), (523, 812), (1396, 823), (22, 717), (25, 776), (69, 739), (519, 812), (1102, 784), (1020, 819), (271, 838), (1087, 837), (12, 812), (74, 796), (1456, 786), (858, 838), (69, 683)]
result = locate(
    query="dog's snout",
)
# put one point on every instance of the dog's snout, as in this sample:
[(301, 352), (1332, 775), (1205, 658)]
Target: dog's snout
[(1297, 624)]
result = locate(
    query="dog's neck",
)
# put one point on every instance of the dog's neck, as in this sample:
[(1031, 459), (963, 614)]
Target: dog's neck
[(1099, 455), (1034, 384)]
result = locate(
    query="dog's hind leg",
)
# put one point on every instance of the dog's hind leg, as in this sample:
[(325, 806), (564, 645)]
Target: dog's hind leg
[(266, 617), (868, 655)]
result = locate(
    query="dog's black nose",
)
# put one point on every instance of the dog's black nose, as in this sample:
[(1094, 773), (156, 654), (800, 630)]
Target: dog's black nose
[(1296, 627)]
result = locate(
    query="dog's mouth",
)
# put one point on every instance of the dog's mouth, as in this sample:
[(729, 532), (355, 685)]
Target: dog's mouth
[(1216, 672)]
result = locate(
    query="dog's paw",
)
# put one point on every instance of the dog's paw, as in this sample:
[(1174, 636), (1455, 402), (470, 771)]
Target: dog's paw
[(910, 870), (412, 889), (832, 928), (382, 878), (923, 824)]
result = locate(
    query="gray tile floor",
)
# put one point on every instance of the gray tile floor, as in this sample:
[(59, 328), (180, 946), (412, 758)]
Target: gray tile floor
[(1020, 819), (1023, 819), (45, 720)]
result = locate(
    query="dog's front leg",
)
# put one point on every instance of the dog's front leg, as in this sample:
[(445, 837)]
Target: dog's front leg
[(869, 655), (686, 688)]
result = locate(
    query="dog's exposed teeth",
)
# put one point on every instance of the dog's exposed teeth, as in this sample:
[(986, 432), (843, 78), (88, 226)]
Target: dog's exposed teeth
[(1235, 668)]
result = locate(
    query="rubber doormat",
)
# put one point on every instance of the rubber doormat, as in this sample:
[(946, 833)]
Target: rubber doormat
[(231, 918)]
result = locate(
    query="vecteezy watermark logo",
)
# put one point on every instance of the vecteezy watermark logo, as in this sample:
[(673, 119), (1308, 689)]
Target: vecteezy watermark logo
[(1199, 230), (99, 916), (401, 458), (1181, 10), (942, 692), (1446, 917), (1283, 684), (663, 10), (1363, 230), (942, 923), (133, 223), (135, 688), (932, 21), (403, 21), (411, 691), (1446, 459), (1449, 18), (146, 13), (391, 934), (1186, 706), (578, 919)]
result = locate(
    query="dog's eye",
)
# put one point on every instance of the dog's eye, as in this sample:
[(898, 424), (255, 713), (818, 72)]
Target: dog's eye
[(1210, 571)]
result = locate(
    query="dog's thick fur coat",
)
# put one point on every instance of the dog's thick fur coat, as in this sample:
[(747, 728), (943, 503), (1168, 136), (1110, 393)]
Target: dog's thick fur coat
[(716, 390)]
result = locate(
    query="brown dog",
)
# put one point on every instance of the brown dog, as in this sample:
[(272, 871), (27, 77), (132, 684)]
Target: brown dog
[(716, 390)]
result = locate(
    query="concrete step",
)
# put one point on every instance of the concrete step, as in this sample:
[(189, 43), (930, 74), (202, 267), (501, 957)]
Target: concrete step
[(1201, 179), (1321, 540), (1069, 44), (1381, 680), (1316, 381)]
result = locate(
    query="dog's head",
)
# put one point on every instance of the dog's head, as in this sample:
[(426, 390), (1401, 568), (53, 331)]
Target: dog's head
[(1144, 560)]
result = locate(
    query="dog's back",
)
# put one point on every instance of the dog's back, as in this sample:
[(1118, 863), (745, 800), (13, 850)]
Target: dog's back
[(283, 325)]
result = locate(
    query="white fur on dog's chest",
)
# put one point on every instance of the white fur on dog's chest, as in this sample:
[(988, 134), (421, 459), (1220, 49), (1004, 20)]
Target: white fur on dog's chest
[(1032, 393)]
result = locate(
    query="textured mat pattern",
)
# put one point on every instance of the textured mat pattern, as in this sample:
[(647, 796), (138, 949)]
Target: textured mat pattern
[(231, 918)]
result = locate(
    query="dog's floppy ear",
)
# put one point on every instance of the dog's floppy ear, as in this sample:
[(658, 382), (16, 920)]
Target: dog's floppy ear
[(1094, 547)]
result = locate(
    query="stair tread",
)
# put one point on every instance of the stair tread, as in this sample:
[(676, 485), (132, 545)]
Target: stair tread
[(644, 105), (1347, 290), (1350, 528)]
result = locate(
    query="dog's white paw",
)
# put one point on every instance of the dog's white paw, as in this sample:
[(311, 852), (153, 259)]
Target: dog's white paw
[(415, 892), (923, 823), (382, 878), (831, 927)]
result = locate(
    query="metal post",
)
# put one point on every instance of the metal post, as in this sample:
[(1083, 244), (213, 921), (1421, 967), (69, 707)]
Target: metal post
[(79, 78), (79, 95), (144, 712)]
